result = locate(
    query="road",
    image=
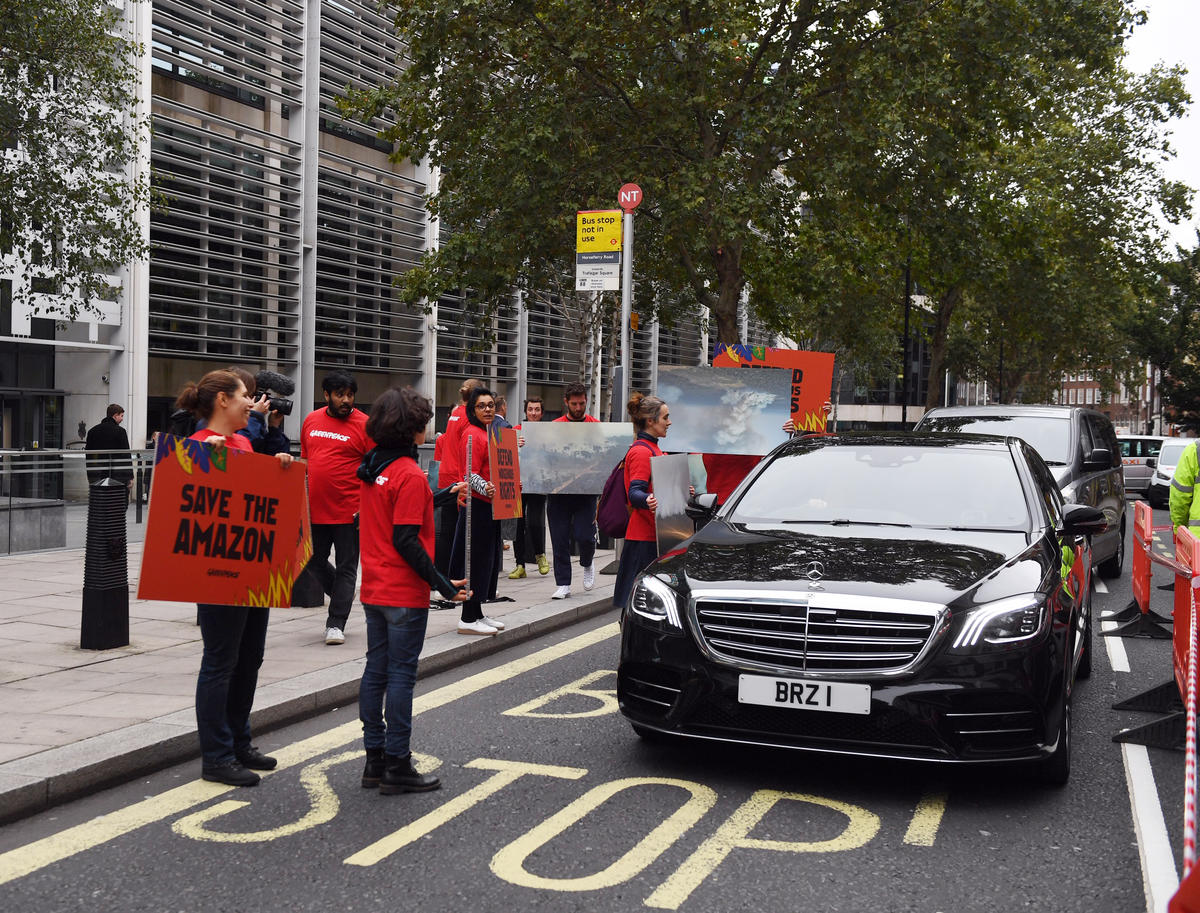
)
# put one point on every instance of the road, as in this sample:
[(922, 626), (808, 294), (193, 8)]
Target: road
[(549, 801)]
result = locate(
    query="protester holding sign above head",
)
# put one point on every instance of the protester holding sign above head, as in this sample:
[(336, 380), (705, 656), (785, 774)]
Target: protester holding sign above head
[(572, 517), (234, 636), (480, 412), (651, 418), (398, 572), (334, 440)]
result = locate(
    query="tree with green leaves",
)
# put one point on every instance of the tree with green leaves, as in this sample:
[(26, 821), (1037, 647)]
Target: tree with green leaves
[(1165, 330), (70, 132), (797, 152)]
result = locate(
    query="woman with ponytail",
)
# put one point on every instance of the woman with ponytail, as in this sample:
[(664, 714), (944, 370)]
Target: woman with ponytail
[(235, 637), (651, 418)]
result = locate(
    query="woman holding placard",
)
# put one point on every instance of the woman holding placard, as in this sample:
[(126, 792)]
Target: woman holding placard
[(651, 418), (397, 539), (235, 637)]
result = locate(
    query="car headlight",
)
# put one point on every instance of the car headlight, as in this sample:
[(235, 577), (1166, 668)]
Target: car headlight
[(655, 601), (1001, 623)]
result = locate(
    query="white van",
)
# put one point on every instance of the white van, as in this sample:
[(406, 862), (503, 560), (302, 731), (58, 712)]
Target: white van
[(1159, 492), (1139, 453)]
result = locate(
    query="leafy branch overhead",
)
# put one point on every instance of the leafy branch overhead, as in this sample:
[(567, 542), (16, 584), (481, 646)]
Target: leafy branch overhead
[(797, 151), (69, 131)]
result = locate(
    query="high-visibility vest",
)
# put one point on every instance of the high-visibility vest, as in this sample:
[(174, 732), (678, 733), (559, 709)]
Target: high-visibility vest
[(1185, 509)]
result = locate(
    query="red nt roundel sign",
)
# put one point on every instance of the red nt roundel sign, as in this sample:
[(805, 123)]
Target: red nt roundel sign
[(629, 196)]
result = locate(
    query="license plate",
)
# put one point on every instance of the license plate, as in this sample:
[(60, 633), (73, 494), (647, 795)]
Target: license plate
[(836, 697)]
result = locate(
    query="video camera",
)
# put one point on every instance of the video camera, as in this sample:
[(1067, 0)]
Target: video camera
[(276, 387)]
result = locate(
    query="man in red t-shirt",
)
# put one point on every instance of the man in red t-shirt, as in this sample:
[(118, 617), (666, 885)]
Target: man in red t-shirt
[(334, 441), (450, 470), (572, 516)]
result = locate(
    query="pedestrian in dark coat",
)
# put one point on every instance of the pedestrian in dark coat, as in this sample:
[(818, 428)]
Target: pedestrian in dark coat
[(109, 435)]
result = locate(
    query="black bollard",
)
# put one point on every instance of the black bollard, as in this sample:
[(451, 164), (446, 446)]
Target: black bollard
[(105, 622)]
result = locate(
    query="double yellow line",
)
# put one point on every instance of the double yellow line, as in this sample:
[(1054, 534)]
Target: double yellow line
[(37, 855)]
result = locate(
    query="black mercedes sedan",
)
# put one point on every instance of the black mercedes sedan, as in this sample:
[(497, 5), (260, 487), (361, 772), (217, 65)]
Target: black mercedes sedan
[(924, 597)]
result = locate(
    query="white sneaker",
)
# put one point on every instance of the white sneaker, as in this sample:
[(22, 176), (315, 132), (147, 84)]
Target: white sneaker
[(334, 636), (562, 592), (494, 622), (476, 627), (589, 576)]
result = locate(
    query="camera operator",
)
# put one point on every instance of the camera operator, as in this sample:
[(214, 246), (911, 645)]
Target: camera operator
[(273, 389)]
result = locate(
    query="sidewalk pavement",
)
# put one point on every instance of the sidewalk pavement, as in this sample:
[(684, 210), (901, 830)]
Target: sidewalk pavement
[(78, 720)]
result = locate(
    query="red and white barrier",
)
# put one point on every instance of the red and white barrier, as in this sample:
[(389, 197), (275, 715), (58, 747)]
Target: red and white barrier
[(1184, 654)]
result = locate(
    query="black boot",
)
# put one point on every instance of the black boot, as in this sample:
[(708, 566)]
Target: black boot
[(399, 776), (374, 769)]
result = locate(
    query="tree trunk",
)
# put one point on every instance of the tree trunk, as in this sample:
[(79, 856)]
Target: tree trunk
[(731, 281), (946, 305)]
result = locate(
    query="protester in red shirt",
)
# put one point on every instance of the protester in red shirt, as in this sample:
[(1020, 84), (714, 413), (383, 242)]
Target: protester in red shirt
[(235, 637), (572, 517), (481, 412), (396, 527), (334, 441), (450, 470), (651, 418)]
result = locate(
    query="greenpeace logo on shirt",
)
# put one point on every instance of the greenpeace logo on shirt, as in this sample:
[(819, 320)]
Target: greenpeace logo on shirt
[(332, 435), (381, 480)]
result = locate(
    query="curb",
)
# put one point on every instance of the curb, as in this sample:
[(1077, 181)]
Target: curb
[(35, 783)]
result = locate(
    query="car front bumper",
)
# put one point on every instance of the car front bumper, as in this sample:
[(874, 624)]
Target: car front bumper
[(987, 707)]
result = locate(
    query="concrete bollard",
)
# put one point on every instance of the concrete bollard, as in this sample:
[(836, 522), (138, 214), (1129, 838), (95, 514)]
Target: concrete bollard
[(105, 621)]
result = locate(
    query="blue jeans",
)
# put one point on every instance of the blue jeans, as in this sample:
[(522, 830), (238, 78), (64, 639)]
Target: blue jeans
[(234, 640), (395, 636)]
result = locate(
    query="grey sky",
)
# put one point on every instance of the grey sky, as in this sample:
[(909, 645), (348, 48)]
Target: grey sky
[(1172, 36)]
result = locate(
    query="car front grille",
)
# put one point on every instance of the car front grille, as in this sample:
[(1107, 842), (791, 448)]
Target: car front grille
[(825, 634)]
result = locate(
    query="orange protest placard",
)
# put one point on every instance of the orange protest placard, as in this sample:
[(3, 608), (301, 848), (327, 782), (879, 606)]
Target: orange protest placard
[(506, 473), (226, 527), (812, 377)]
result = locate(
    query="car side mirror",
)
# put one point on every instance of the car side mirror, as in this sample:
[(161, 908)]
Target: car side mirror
[(1083, 520), (1151, 462), (1099, 458), (702, 507)]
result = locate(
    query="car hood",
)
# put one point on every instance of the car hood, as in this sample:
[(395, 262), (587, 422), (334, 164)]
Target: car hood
[(928, 565)]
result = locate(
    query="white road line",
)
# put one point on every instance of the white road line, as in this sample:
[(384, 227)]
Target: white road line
[(1099, 585), (1159, 878), (1117, 657)]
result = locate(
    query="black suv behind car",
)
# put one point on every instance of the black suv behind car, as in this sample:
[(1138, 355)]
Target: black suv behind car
[(1080, 447)]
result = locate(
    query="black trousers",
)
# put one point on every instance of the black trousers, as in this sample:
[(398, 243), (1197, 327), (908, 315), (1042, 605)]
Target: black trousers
[(531, 529), (339, 581), (572, 517), (483, 557)]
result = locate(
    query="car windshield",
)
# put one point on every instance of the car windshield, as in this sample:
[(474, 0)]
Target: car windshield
[(938, 487), (1050, 436), (1171, 452)]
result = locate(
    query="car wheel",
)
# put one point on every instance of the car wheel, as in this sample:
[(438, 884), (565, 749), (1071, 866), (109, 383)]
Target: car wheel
[(1114, 565), (1085, 661), (1056, 769)]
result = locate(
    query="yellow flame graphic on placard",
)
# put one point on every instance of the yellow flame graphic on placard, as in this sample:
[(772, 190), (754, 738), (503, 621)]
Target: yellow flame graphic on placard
[(185, 461), (278, 591), (813, 421)]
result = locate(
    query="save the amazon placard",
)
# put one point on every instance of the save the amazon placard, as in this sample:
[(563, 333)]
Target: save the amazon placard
[(226, 526), (812, 377)]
